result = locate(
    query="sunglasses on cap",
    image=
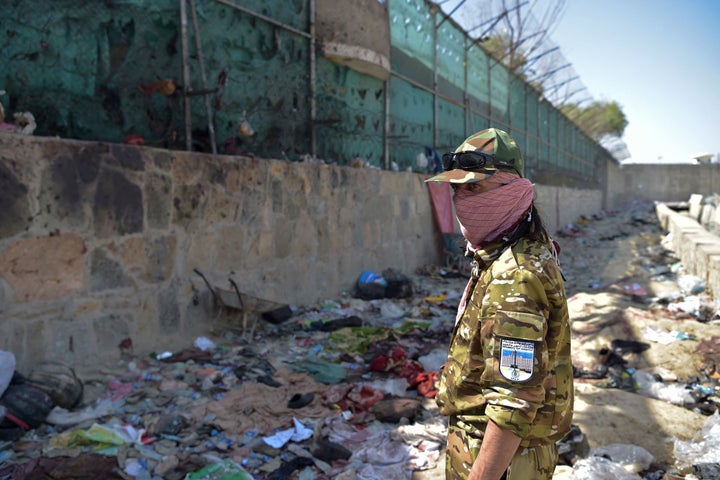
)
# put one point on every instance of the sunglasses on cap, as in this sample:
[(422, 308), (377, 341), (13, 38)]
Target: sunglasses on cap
[(471, 160), (466, 160)]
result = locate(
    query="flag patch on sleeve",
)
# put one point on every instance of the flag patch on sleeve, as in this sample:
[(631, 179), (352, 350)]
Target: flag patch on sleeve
[(517, 359)]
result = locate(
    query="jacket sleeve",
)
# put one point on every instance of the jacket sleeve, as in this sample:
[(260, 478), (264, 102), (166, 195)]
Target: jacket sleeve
[(515, 349)]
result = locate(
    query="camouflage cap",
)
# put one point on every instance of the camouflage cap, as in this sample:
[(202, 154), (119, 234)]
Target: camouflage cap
[(493, 142)]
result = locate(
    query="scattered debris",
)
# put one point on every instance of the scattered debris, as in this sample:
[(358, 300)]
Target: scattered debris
[(344, 388)]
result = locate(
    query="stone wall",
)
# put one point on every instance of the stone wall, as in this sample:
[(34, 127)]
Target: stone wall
[(660, 182), (560, 206), (99, 242)]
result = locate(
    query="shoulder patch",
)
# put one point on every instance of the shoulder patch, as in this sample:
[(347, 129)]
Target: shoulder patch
[(517, 359)]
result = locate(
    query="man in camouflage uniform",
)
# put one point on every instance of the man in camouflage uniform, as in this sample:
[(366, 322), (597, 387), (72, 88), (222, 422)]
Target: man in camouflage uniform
[(507, 385)]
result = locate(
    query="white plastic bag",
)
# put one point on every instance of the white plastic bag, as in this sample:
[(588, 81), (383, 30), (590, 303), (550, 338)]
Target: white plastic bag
[(392, 311), (599, 468), (704, 447), (673, 393), (7, 368), (204, 344), (691, 285), (633, 458)]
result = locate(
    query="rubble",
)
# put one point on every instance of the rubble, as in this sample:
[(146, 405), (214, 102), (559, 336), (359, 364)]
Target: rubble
[(344, 389)]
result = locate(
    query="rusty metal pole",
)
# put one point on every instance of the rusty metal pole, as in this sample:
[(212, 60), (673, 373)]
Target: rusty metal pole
[(313, 74), (386, 126), (469, 122), (186, 74), (435, 86)]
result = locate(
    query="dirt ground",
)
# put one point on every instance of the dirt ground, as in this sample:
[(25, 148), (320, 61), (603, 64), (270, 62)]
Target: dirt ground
[(620, 282), (620, 278), (624, 294)]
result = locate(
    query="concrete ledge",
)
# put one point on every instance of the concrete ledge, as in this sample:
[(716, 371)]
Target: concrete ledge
[(358, 58), (697, 248), (663, 213), (681, 232), (705, 256), (714, 272), (691, 247)]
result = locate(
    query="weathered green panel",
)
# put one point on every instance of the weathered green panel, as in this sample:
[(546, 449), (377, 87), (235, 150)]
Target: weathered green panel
[(294, 13), (94, 70), (350, 115), (478, 78), (268, 79), (451, 126), (518, 100), (411, 122), (559, 140), (499, 91), (451, 58), (554, 137), (90, 70), (520, 138), (411, 30), (586, 155), (544, 153), (477, 123), (530, 155), (531, 109)]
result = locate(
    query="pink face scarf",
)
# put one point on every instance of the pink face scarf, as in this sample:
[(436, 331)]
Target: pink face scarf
[(485, 216)]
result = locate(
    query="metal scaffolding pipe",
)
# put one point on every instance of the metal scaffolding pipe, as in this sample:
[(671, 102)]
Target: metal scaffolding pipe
[(313, 80), (186, 74), (203, 77)]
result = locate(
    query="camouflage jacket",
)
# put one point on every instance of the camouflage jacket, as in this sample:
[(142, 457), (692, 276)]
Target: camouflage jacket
[(509, 358)]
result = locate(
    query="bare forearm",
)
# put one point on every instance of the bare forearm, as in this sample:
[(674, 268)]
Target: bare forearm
[(497, 450)]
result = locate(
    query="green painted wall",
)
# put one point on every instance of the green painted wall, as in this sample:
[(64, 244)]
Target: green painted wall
[(93, 71), (81, 68)]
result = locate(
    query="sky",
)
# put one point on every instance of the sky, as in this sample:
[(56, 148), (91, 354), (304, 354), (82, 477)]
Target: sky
[(660, 61)]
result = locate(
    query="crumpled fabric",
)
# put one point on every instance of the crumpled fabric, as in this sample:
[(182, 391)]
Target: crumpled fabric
[(425, 383), (262, 408), (358, 398), (321, 371), (411, 370), (357, 340), (388, 472), (345, 433), (382, 449), (385, 363), (425, 441)]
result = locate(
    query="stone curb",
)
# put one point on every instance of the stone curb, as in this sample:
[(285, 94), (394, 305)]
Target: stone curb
[(697, 248)]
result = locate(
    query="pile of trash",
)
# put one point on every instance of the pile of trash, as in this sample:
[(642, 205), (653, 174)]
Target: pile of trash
[(341, 389), (345, 388), (645, 326)]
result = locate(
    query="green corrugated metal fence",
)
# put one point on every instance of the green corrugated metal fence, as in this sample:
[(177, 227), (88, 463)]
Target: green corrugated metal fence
[(87, 70)]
